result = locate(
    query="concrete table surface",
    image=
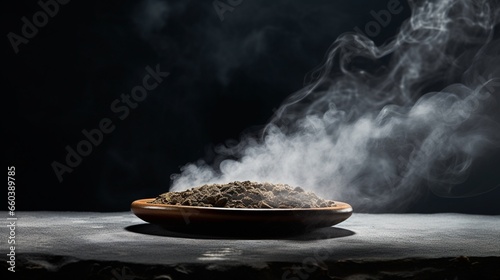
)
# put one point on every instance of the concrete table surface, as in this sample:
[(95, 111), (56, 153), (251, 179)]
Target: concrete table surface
[(122, 237)]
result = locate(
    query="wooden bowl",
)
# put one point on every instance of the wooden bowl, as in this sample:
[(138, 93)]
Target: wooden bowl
[(239, 220)]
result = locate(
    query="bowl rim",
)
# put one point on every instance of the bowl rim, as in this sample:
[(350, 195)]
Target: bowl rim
[(341, 207)]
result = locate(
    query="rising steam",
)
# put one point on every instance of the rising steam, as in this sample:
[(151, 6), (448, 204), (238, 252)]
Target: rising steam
[(376, 123)]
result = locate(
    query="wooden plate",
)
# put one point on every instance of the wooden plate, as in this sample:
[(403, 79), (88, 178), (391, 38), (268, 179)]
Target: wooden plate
[(239, 220)]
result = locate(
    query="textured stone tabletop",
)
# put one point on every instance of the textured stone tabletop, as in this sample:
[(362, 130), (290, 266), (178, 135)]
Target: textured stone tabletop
[(120, 246), (125, 238)]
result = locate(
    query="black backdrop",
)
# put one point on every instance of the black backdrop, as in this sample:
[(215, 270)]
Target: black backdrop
[(227, 73)]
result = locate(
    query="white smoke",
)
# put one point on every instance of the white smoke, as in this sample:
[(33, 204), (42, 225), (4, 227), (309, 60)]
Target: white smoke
[(365, 130), (151, 16)]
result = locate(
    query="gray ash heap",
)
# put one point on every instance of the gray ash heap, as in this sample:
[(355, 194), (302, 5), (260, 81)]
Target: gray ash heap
[(245, 195)]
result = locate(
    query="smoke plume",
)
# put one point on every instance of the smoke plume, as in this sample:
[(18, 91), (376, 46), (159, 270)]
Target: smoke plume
[(376, 124)]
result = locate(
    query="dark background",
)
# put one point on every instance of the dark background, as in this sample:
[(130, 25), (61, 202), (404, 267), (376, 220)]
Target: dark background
[(226, 78)]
